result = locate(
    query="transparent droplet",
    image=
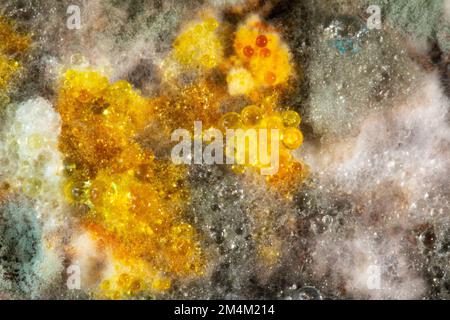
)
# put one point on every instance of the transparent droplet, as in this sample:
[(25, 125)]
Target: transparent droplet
[(309, 293)]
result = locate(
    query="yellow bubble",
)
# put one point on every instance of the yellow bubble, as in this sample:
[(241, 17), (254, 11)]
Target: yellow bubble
[(211, 24), (77, 59), (230, 120), (105, 285), (292, 138), (291, 118), (124, 279), (35, 141), (251, 115), (274, 122)]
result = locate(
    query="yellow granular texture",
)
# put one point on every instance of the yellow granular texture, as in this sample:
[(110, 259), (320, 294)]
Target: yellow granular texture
[(7, 69), (262, 52), (135, 202), (100, 121), (199, 45), (200, 101), (12, 44)]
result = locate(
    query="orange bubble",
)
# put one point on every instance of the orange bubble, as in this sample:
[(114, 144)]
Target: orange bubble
[(248, 51), (261, 41)]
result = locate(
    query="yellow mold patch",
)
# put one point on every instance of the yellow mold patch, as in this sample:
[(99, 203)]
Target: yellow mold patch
[(199, 45), (12, 43), (135, 202)]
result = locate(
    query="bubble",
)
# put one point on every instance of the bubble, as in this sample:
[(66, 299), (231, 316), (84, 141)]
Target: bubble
[(308, 293), (290, 118), (273, 122), (427, 238), (77, 59), (248, 51), (292, 138), (261, 41), (251, 115), (230, 120)]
